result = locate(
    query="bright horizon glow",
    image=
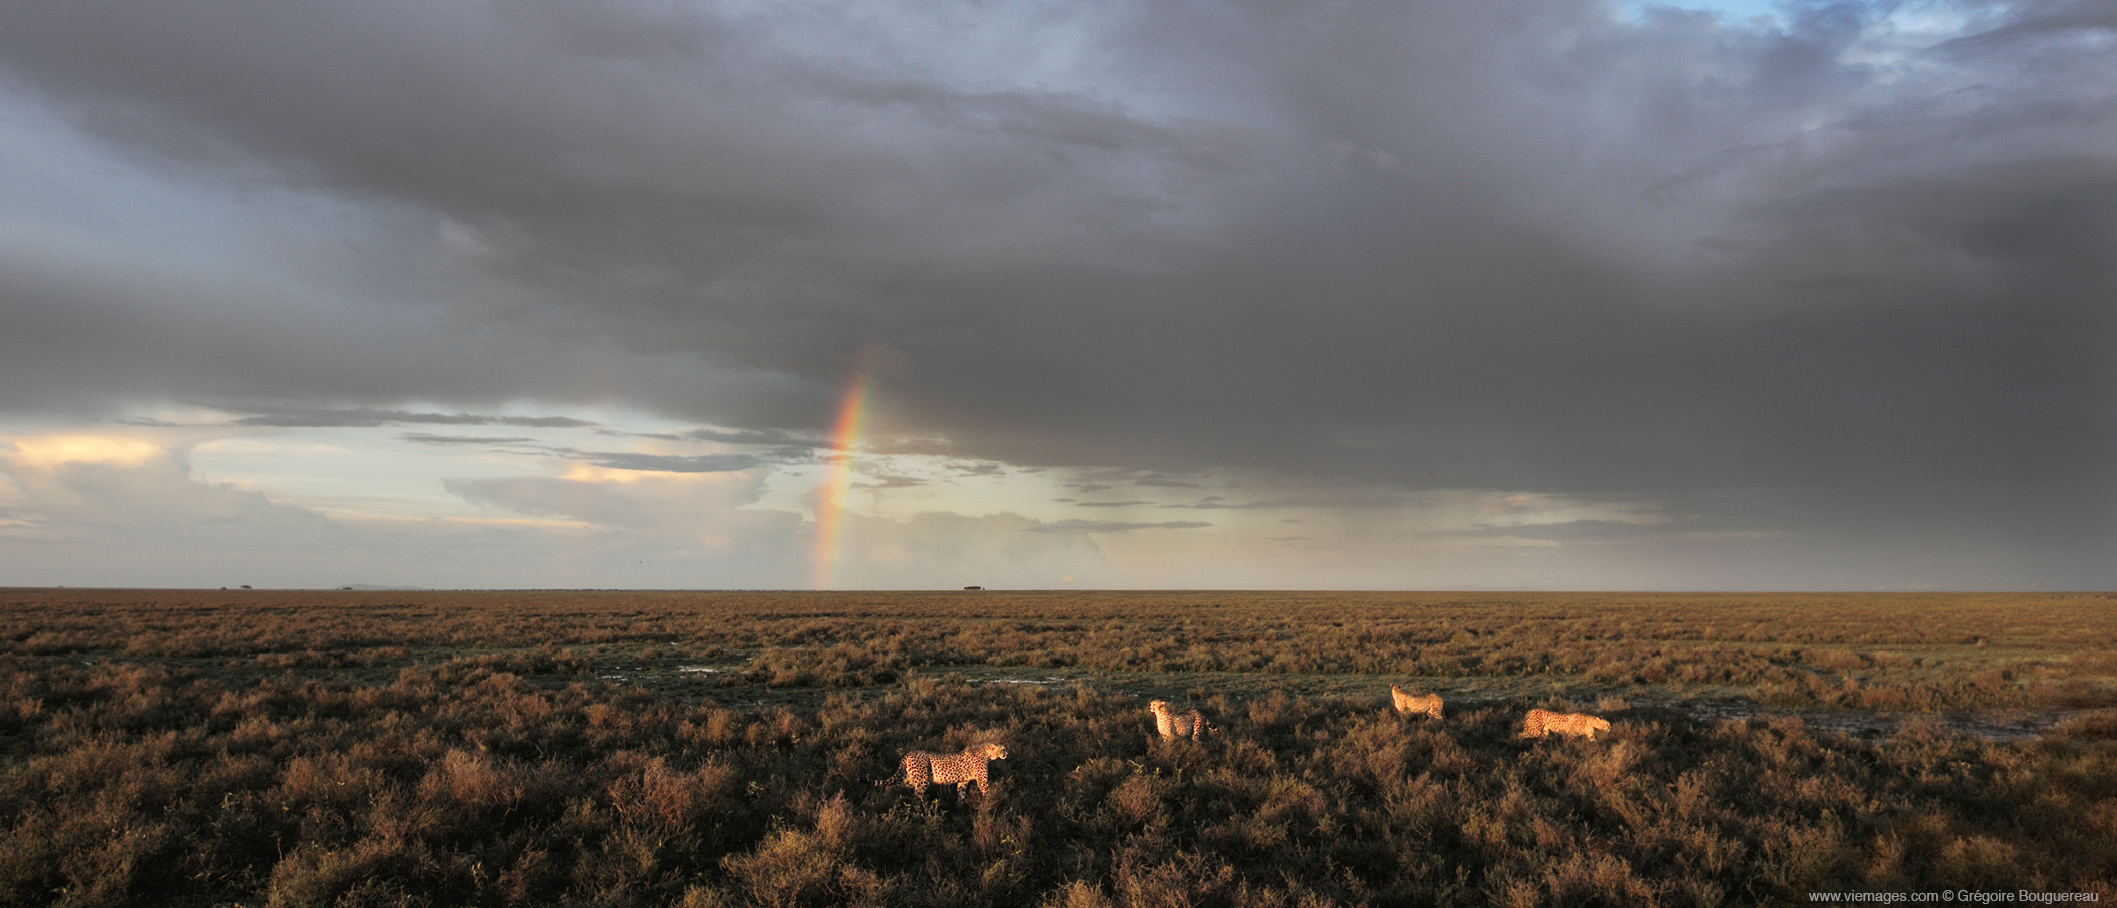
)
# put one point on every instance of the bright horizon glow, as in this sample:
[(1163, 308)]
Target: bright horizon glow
[(50, 451), (830, 499)]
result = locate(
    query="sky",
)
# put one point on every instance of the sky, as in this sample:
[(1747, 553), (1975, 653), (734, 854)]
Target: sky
[(1374, 294)]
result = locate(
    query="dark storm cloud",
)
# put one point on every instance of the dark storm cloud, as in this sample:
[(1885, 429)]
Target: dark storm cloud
[(1517, 245), (92, 337)]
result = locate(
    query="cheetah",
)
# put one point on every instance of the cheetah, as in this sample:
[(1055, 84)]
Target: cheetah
[(1177, 725), (1541, 722), (922, 769), (1407, 704)]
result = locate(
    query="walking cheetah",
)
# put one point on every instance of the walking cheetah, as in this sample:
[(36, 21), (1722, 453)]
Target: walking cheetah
[(1541, 722), (922, 769)]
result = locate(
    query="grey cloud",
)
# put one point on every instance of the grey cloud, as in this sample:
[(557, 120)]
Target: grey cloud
[(617, 460), (674, 514), (544, 497), (2061, 18), (363, 417), (775, 439), (658, 534), (1574, 531), (672, 463), (1163, 482), (1117, 526), (426, 439), (1358, 502), (174, 529), (889, 481), (994, 550), (92, 338), (541, 422), (1113, 504), (338, 421)]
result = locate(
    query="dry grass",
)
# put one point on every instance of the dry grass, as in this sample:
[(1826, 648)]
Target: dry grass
[(346, 748)]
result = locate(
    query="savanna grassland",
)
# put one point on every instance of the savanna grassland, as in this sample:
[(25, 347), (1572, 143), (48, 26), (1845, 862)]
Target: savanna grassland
[(550, 748)]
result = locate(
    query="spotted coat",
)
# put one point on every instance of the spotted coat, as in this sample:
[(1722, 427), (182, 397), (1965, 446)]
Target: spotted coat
[(1541, 722), (922, 769), (1171, 726)]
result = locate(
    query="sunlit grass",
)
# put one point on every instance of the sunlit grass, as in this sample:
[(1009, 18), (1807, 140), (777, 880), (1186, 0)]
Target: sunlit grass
[(346, 748)]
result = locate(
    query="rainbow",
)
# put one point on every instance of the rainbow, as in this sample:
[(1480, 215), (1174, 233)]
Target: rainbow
[(838, 476)]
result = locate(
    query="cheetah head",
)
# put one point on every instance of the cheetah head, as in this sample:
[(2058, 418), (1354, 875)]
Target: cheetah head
[(1158, 706), (993, 752), (1599, 724)]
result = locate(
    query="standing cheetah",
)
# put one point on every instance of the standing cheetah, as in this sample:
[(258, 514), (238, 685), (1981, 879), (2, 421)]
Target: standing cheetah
[(1177, 725), (1541, 722), (922, 769), (1407, 704)]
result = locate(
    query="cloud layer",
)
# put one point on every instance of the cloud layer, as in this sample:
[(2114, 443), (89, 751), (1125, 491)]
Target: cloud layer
[(1844, 278)]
